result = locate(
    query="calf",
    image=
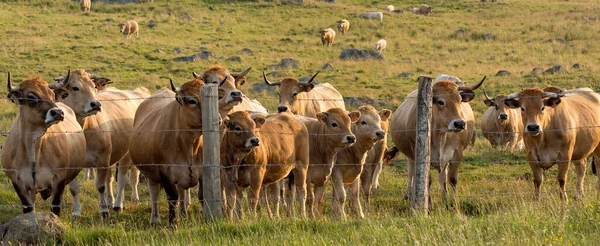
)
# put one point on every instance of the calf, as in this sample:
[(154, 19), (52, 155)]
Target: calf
[(343, 26), (327, 36), (85, 5), (373, 15), (130, 27), (369, 178), (381, 45), (501, 125)]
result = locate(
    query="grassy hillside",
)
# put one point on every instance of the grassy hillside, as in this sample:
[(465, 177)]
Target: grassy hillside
[(494, 204)]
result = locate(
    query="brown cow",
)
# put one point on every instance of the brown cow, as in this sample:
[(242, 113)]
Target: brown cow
[(343, 26), (305, 98), (328, 134), (350, 161), (501, 125), (283, 148), (452, 127), (165, 157), (560, 128), (369, 178), (327, 36), (45, 161)]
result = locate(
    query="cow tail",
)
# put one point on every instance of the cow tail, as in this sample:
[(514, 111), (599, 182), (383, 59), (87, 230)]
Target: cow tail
[(594, 166), (389, 155)]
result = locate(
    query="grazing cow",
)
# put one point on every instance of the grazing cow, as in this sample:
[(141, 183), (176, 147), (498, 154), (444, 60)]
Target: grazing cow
[(85, 5), (369, 178), (381, 45), (328, 134), (107, 120), (327, 36), (255, 158), (350, 161), (390, 8), (424, 9), (168, 158), (373, 15), (45, 161), (560, 128), (130, 27), (305, 98), (343, 26), (414, 10), (452, 128), (501, 125)]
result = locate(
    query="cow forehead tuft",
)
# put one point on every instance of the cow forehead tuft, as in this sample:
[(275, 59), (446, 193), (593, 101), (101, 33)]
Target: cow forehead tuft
[(35, 84), (217, 68), (367, 109), (193, 85), (531, 92), (445, 85)]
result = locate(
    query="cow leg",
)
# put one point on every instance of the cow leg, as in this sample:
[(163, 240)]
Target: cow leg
[(310, 197), (230, 192), (110, 198), (57, 193), (339, 195), (375, 181), (173, 200), (200, 195), (366, 180), (442, 177), (453, 168), (74, 189), (411, 174), (354, 189), (272, 197), (239, 196), (134, 179), (580, 167), (538, 178), (563, 168), (154, 188), (27, 200), (121, 183), (300, 185), (101, 178), (319, 190), (184, 202)]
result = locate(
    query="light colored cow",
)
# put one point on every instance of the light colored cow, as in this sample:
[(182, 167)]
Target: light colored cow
[(390, 8), (327, 36), (501, 125), (343, 26), (129, 27), (369, 178), (381, 45), (373, 15), (85, 5)]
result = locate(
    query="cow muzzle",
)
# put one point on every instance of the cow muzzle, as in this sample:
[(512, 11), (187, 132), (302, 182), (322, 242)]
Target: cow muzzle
[(533, 129), (349, 139), (253, 142), (282, 108), (503, 116), (54, 115), (457, 125), (94, 107), (380, 134)]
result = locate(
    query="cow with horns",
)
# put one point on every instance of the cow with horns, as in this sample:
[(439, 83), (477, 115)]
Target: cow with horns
[(501, 125)]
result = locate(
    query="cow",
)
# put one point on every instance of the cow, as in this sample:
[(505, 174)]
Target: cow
[(350, 161), (280, 146), (165, 148), (305, 98), (381, 45), (414, 10), (424, 9), (454, 79), (328, 134), (452, 128), (45, 148), (373, 15), (327, 37), (85, 5), (343, 26), (390, 8), (107, 120), (369, 178), (560, 128), (129, 27), (501, 125)]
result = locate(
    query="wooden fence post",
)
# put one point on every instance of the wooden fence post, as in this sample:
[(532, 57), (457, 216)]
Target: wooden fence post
[(419, 203), (211, 177)]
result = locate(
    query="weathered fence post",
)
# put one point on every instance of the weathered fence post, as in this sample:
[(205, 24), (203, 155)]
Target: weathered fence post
[(419, 203), (211, 178)]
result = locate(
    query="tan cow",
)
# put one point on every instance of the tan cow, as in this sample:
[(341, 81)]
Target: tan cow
[(369, 178), (560, 128), (501, 125), (327, 36), (283, 148), (452, 127), (328, 134), (85, 5), (130, 27), (305, 98), (424, 9), (45, 161), (343, 26), (350, 161), (165, 148), (381, 45)]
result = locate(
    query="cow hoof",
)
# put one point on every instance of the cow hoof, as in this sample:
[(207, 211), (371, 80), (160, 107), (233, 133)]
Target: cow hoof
[(105, 215), (76, 214), (173, 226), (117, 209)]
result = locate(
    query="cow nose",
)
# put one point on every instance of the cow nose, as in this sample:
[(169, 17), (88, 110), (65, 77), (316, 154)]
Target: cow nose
[(351, 139), (380, 134), (534, 128), (236, 94), (282, 108), (255, 142), (503, 116), (57, 114), (459, 125), (96, 105)]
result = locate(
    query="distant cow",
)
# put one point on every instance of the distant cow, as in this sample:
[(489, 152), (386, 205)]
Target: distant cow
[(369, 178), (130, 27), (327, 36), (560, 128), (390, 8), (343, 26), (373, 15), (45, 161), (424, 9), (414, 10), (454, 79), (305, 98), (85, 5), (501, 125), (381, 45)]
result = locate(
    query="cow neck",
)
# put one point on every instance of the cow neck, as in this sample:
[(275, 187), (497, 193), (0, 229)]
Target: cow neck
[(187, 132), (302, 105), (323, 152), (32, 137)]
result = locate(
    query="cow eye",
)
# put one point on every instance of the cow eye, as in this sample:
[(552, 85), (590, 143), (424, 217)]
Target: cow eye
[(192, 101), (522, 109), (441, 103), (363, 123), (334, 124), (543, 107), (221, 94), (237, 128), (33, 99), (75, 88), (295, 94)]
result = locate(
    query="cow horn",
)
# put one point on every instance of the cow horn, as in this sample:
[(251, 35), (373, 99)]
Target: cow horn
[(242, 73), (195, 75), (9, 85), (269, 82), (61, 83), (312, 78), (511, 96), (552, 94), (486, 95), (472, 88), (223, 82), (172, 86), (61, 78)]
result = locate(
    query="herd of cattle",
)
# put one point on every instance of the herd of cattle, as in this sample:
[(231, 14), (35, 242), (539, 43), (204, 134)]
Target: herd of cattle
[(80, 122)]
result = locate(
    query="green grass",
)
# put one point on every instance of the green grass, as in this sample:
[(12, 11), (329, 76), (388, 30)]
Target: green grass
[(494, 203)]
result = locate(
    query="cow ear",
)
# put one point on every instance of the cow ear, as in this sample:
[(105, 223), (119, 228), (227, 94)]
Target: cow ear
[(322, 116), (15, 96), (489, 102), (385, 114), (60, 94), (512, 103), (552, 102), (354, 116), (259, 121), (239, 81), (306, 87), (467, 96)]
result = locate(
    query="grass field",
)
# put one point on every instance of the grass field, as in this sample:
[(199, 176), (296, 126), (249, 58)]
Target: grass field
[(494, 203)]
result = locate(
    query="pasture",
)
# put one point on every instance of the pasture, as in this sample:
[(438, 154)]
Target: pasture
[(494, 203)]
